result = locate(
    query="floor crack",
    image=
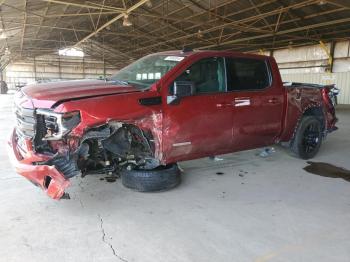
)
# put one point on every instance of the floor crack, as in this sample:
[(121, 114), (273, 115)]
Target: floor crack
[(81, 203), (107, 243), (80, 185)]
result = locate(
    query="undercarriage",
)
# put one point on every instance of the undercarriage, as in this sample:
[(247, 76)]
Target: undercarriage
[(102, 150), (105, 149)]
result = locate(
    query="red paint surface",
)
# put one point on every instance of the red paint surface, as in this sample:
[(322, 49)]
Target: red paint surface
[(210, 128), (50, 93)]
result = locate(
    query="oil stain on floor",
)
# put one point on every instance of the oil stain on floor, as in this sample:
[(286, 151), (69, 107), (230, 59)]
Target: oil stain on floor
[(327, 170)]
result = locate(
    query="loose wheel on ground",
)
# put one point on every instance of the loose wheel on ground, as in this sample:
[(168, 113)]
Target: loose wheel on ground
[(159, 179)]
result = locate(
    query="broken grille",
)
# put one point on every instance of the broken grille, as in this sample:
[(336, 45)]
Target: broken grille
[(26, 121)]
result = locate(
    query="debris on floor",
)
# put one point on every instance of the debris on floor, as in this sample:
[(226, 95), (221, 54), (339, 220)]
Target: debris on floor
[(215, 158), (242, 173), (327, 170), (65, 196), (180, 168), (266, 152), (111, 179)]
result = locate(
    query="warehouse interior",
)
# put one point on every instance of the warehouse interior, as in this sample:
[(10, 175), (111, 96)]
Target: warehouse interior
[(255, 205)]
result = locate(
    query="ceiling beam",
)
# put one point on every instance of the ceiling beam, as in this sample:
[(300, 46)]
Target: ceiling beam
[(129, 10), (86, 6), (111, 33), (24, 25), (284, 32), (339, 3), (240, 26), (237, 22), (211, 22), (259, 13), (227, 37)]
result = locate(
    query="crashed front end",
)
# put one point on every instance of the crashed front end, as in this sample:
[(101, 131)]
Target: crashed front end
[(49, 148), (24, 159)]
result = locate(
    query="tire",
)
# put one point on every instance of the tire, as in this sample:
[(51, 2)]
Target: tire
[(308, 138), (159, 179)]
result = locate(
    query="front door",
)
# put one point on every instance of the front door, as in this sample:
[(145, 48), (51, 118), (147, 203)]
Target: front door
[(199, 125)]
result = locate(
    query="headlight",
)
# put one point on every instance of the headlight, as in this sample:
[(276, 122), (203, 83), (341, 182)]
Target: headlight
[(57, 125)]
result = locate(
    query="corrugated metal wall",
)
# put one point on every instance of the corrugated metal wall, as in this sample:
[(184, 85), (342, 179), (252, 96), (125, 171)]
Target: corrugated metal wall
[(342, 80), (55, 68)]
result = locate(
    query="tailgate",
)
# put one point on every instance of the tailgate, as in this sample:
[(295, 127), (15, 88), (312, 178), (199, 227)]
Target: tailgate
[(329, 108)]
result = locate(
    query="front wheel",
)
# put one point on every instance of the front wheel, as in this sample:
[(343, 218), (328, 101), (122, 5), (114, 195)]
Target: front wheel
[(308, 138), (159, 179)]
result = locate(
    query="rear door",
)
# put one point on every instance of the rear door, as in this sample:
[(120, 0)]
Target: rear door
[(258, 102), (200, 125)]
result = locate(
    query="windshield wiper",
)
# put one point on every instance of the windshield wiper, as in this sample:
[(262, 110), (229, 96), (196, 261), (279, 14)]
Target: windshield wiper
[(117, 81)]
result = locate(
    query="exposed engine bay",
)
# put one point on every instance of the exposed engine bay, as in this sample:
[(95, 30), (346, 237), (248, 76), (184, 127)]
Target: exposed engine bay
[(105, 149)]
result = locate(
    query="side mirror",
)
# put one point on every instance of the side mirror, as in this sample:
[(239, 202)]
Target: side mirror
[(181, 89)]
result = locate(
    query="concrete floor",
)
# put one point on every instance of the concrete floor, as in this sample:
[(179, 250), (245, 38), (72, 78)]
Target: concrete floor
[(260, 209)]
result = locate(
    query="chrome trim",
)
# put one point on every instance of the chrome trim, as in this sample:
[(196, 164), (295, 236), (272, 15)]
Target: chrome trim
[(61, 129)]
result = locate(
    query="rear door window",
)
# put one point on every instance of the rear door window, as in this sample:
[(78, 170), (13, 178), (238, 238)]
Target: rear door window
[(245, 74)]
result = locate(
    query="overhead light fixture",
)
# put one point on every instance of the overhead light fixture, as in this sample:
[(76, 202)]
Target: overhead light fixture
[(200, 34), (322, 2), (7, 51), (126, 21), (149, 4)]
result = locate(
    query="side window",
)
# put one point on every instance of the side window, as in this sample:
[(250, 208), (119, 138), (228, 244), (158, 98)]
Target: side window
[(208, 75), (247, 74)]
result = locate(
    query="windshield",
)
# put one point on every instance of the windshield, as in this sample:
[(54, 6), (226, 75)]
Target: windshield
[(147, 70)]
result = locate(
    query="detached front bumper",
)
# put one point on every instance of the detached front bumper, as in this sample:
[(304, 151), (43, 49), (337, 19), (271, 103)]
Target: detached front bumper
[(25, 161)]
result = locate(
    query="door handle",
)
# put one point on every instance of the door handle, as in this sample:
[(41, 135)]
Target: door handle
[(273, 100), (223, 105)]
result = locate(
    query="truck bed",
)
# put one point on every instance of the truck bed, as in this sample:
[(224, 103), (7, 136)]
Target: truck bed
[(305, 85)]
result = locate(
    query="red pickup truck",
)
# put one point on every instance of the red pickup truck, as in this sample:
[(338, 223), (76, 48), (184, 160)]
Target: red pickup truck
[(164, 108)]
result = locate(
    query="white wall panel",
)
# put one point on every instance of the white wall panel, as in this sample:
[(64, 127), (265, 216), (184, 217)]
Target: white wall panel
[(300, 54), (341, 49), (341, 65), (342, 80), (55, 68)]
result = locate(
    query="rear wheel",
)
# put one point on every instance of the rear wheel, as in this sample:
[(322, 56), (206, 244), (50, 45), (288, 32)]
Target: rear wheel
[(158, 179), (308, 138)]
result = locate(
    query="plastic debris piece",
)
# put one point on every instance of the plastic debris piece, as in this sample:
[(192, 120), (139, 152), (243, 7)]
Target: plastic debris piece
[(215, 158), (268, 151), (65, 196), (180, 168)]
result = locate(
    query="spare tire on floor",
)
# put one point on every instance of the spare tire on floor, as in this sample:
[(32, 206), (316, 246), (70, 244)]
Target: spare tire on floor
[(159, 179)]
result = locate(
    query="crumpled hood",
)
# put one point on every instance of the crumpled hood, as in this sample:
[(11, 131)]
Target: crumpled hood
[(47, 94)]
